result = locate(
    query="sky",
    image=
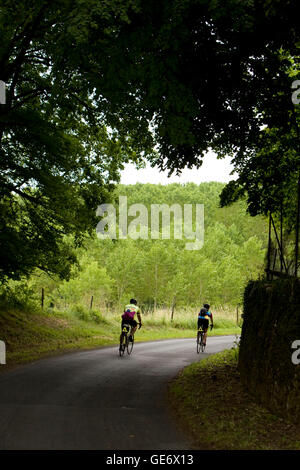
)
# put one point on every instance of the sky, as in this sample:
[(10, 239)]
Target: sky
[(212, 170)]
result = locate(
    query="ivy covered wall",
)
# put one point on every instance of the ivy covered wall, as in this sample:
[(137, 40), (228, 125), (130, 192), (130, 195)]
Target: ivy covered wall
[(271, 324)]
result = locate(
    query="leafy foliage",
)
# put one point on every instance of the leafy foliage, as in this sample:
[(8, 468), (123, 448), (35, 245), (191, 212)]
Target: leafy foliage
[(162, 273), (200, 71), (268, 170), (58, 159)]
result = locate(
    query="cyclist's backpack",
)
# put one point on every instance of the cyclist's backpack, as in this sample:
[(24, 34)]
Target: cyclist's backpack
[(129, 312)]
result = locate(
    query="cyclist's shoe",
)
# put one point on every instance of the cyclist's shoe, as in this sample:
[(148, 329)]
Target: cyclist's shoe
[(130, 338)]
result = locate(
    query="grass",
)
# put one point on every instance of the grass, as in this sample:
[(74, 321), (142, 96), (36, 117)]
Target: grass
[(31, 333), (29, 336), (184, 323), (213, 408)]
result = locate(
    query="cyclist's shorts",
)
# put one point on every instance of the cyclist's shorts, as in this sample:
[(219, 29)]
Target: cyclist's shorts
[(204, 323), (132, 323)]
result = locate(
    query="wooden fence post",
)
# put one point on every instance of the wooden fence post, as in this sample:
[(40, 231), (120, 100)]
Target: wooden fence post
[(173, 307)]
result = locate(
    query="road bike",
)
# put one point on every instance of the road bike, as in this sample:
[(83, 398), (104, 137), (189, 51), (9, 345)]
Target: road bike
[(125, 344), (200, 343), (200, 339)]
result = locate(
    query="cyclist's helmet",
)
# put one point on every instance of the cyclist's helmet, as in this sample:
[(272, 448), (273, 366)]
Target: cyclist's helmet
[(133, 301), (206, 306)]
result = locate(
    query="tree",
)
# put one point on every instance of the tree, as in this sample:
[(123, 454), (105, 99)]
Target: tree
[(196, 70), (92, 280), (268, 168), (213, 74), (122, 266), (58, 159)]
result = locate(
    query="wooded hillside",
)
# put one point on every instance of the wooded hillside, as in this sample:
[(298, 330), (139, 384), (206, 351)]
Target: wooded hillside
[(162, 273)]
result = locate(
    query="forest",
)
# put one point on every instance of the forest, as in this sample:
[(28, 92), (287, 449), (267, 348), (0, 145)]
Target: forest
[(161, 273)]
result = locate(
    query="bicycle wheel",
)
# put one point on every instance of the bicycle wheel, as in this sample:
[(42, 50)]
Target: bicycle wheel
[(202, 345), (122, 344), (129, 345)]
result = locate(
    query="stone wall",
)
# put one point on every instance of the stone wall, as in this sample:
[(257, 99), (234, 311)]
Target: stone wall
[(271, 324)]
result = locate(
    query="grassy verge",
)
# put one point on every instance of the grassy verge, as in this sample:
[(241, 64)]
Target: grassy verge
[(29, 336), (211, 406), (31, 333)]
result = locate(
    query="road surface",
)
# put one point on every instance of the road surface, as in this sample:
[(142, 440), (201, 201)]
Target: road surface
[(96, 399)]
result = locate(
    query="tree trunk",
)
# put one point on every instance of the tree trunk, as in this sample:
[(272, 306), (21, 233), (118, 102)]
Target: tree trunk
[(173, 307)]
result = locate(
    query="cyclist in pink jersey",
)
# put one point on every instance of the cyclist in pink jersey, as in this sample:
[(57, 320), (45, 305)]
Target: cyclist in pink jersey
[(130, 311)]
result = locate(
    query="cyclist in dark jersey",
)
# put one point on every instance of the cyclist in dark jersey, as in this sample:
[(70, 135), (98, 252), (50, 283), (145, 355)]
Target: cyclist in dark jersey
[(130, 311), (204, 316)]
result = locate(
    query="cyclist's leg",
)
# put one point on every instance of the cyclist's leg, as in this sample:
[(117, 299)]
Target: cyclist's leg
[(133, 324), (122, 334), (199, 329), (205, 329)]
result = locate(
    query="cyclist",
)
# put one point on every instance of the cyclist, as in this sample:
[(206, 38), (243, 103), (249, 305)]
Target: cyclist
[(128, 317), (204, 316)]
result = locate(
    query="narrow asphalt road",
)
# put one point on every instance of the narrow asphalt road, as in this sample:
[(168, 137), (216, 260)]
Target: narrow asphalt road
[(97, 400)]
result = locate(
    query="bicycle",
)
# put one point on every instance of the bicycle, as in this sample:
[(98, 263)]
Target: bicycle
[(200, 343), (200, 336), (124, 341)]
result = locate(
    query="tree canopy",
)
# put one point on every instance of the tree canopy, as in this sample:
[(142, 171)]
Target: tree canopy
[(93, 84), (58, 158), (200, 71)]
